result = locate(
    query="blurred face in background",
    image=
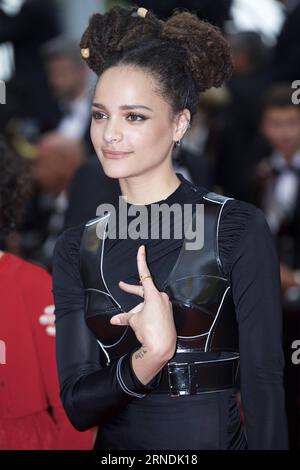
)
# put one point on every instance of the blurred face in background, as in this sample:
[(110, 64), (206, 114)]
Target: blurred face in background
[(66, 77), (281, 127), (58, 158), (133, 129)]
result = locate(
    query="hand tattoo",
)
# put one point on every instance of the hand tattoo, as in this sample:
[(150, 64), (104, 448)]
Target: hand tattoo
[(140, 353)]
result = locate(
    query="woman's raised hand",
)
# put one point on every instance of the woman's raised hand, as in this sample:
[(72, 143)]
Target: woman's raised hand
[(152, 320)]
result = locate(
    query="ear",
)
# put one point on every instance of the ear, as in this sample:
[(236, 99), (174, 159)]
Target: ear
[(181, 124)]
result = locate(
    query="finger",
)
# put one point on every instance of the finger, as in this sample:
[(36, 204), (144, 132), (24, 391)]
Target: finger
[(50, 330), (132, 289), (49, 310), (47, 319), (137, 308), (121, 319), (143, 270)]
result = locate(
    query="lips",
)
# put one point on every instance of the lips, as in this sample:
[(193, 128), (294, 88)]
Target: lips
[(114, 154)]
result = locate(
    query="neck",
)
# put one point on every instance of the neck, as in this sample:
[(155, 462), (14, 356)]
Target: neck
[(150, 187), (1, 253)]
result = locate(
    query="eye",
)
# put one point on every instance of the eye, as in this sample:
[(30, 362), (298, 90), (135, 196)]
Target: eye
[(98, 116), (135, 117)]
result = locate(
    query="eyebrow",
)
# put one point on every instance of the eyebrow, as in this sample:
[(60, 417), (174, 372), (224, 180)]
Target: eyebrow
[(124, 107)]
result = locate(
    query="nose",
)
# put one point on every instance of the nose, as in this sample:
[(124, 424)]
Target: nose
[(112, 131)]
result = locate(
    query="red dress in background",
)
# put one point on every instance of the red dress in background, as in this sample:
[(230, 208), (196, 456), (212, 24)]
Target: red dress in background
[(31, 413)]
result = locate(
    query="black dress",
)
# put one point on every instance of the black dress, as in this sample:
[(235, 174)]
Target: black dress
[(91, 393)]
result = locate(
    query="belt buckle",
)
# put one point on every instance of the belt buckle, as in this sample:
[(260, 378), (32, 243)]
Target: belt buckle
[(180, 379)]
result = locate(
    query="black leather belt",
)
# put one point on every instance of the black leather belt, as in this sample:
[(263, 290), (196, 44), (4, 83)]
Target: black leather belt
[(198, 377)]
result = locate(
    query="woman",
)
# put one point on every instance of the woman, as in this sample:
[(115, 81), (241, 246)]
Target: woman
[(31, 415), (154, 365)]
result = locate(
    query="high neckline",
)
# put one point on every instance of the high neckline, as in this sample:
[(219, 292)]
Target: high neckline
[(178, 195)]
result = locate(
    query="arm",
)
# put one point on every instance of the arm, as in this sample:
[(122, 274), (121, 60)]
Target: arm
[(89, 392), (256, 293)]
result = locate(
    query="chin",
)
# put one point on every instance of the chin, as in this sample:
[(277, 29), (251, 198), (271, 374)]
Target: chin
[(115, 170)]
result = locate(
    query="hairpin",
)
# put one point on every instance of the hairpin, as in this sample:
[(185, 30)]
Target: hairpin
[(142, 12)]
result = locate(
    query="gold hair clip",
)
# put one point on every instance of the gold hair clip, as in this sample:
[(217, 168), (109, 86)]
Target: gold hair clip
[(142, 12), (85, 53)]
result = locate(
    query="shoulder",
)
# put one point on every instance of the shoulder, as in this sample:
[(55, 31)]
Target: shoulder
[(233, 213), (236, 218), (241, 224), (68, 243), (66, 257), (242, 217)]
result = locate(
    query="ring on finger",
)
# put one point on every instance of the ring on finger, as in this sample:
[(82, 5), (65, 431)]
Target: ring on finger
[(142, 278)]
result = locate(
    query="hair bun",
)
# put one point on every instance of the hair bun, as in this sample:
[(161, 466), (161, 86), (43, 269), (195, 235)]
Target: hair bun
[(207, 49), (114, 31)]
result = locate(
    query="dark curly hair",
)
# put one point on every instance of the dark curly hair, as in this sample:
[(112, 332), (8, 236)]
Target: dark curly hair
[(15, 187), (186, 55)]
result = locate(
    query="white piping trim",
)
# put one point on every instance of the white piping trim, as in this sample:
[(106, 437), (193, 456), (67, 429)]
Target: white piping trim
[(205, 362), (97, 290), (216, 317), (121, 382), (218, 202), (237, 370), (108, 291), (88, 224), (211, 391), (218, 223), (211, 200), (192, 337), (199, 276), (101, 269), (103, 349)]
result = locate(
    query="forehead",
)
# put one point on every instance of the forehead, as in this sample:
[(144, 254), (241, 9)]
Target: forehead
[(128, 85), (62, 61), (282, 112)]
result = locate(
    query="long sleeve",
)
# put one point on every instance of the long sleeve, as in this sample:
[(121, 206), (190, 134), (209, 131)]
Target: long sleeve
[(89, 392), (254, 273)]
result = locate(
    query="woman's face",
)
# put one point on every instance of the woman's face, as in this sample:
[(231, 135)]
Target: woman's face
[(129, 116)]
